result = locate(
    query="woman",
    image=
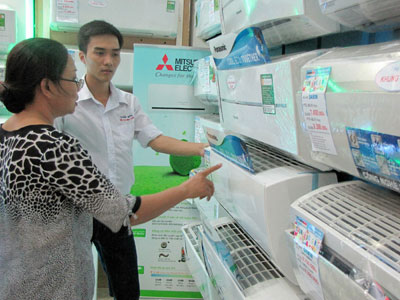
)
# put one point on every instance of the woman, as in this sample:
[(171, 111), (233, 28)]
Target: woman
[(50, 189)]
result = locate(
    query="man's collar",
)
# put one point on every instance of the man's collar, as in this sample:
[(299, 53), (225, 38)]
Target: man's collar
[(115, 95)]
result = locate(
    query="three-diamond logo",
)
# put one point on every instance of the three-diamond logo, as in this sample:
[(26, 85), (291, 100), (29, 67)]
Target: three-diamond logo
[(165, 60)]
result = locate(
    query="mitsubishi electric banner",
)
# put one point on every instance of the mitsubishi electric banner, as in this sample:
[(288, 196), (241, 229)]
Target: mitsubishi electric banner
[(163, 82)]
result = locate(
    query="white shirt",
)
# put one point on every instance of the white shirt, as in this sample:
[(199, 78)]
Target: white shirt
[(108, 132)]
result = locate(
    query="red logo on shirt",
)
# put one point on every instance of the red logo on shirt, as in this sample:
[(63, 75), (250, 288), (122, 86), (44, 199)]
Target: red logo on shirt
[(126, 118), (165, 59)]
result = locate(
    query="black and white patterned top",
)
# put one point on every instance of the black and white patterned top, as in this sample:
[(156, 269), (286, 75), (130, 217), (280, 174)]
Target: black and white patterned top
[(49, 192)]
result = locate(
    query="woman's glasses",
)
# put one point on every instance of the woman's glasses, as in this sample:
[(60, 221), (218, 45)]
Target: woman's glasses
[(79, 82)]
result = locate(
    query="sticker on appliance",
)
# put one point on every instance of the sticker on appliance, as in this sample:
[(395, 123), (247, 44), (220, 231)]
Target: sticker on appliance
[(376, 156)]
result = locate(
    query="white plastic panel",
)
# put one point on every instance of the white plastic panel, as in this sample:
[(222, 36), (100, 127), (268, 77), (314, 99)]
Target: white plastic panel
[(362, 224), (174, 97), (283, 21), (7, 28), (205, 81), (205, 120), (253, 275), (354, 99), (208, 20), (156, 18), (339, 278), (260, 203), (370, 15), (260, 102), (195, 261)]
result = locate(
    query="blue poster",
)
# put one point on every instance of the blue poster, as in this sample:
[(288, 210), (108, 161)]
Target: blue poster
[(376, 156)]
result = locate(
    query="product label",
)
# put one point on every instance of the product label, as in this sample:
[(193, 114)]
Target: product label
[(171, 6), (231, 82), (97, 3), (267, 93), (308, 235), (315, 112), (216, 5), (211, 12), (376, 156), (307, 243), (2, 22), (67, 11), (389, 77), (204, 74)]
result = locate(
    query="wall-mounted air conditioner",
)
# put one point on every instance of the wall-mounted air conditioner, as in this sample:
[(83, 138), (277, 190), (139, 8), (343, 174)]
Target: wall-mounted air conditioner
[(366, 15), (356, 128), (195, 261), (205, 81), (260, 102), (173, 97), (360, 256), (260, 201), (208, 20), (239, 267), (206, 120), (122, 79), (8, 28), (156, 18), (282, 22)]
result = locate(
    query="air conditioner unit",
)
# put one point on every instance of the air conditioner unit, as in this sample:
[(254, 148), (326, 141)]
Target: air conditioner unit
[(238, 266), (122, 79), (157, 18), (173, 97), (361, 246), (208, 20), (195, 262), (361, 108), (205, 81), (260, 102), (259, 202), (282, 22), (8, 28), (205, 120), (366, 15)]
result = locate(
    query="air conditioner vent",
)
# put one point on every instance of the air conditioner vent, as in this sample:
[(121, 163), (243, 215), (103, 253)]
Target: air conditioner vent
[(265, 157), (367, 215), (192, 233), (254, 265)]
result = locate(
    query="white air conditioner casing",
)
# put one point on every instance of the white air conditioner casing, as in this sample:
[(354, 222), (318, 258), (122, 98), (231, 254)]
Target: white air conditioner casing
[(173, 97), (260, 202), (195, 262), (205, 120), (365, 15), (241, 269), (355, 100), (156, 18), (205, 81), (282, 22), (8, 28), (123, 78), (208, 19), (361, 224), (260, 102)]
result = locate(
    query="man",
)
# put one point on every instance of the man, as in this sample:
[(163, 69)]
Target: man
[(106, 121)]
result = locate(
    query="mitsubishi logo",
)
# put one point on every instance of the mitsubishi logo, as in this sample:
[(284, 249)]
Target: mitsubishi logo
[(165, 59)]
